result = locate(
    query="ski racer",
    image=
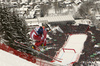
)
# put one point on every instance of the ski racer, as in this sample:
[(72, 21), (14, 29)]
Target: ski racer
[(39, 34)]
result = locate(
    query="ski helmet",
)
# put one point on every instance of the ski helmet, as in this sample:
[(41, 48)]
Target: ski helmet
[(40, 30)]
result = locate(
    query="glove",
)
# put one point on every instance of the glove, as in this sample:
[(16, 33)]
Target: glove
[(42, 45), (33, 47)]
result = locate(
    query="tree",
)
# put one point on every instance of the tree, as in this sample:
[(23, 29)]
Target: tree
[(98, 26), (13, 27), (44, 9), (84, 9), (56, 6)]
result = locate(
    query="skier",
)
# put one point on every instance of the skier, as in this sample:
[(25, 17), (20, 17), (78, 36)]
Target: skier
[(39, 34)]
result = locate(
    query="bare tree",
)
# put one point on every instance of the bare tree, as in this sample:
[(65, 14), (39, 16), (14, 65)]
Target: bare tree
[(84, 9), (44, 9), (98, 26), (56, 6)]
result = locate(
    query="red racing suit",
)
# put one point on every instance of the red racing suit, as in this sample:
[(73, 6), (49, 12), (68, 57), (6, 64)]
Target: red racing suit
[(41, 38)]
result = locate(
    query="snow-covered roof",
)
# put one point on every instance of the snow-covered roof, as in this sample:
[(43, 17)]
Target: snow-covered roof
[(52, 19), (55, 0), (97, 2), (97, 15), (68, 1), (77, 1), (81, 21)]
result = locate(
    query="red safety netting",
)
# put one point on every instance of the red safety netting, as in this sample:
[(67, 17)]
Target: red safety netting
[(26, 56)]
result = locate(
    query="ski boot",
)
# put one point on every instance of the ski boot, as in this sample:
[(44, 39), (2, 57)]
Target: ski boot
[(35, 47)]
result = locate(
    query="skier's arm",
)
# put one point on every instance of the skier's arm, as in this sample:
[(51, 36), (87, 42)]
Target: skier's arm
[(38, 38), (34, 36), (44, 39)]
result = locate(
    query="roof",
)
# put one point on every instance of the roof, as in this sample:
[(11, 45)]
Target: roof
[(81, 21), (52, 19)]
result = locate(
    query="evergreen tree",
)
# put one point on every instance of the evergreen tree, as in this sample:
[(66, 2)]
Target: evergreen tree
[(12, 27)]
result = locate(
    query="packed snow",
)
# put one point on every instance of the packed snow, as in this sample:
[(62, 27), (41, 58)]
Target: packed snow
[(7, 59), (74, 44)]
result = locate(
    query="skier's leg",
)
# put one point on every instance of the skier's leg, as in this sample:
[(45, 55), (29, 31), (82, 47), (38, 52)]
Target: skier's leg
[(39, 43)]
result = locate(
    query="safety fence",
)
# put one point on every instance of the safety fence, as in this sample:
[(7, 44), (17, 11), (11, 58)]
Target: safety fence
[(25, 56)]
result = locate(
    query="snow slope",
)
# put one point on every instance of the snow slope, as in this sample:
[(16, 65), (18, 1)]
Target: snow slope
[(7, 59), (71, 50)]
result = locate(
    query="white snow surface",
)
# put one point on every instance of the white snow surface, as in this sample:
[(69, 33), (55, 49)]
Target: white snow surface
[(76, 42), (7, 59)]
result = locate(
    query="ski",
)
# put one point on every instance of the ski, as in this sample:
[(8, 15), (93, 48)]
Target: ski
[(26, 48), (33, 50), (20, 43)]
